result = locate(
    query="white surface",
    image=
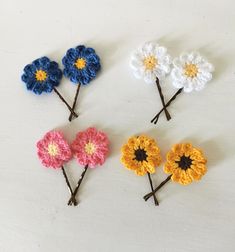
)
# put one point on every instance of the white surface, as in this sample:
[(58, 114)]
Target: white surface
[(112, 215)]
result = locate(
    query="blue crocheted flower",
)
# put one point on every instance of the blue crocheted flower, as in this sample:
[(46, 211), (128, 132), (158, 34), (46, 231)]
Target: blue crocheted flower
[(42, 75), (81, 64)]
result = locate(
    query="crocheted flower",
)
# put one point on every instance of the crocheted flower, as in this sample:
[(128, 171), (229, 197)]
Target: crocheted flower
[(191, 72), (151, 61), (42, 75), (90, 147), (186, 163), (53, 150), (141, 154), (81, 64)]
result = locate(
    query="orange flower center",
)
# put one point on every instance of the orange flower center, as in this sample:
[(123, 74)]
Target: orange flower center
[(150, 62), (80, 63), (40, 75), (190, 70)]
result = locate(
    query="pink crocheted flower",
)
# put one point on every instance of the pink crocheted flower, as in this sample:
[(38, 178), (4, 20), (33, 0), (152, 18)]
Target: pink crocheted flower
[(90, 147), (53, 150)]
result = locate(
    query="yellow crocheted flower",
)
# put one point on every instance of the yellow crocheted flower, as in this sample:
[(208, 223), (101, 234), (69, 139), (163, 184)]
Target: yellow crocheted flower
[(186, 163), (141, 154)]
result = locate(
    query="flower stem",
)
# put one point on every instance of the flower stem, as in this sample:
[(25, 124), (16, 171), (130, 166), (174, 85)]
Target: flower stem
[(75, 101), (167, 114), (151, 185), (68, 184), (65, 102), (78, 185), (147, 196), (155, 119)]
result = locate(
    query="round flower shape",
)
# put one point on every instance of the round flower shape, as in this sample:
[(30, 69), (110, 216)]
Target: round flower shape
[(186, 163), (42, 75), (191, 72), (53, 150), (90, 147), (81, 64), (141, 154), (151, 61)]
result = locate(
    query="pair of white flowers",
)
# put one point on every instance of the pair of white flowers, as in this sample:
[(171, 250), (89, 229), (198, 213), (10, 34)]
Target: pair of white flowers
[(190, 71)]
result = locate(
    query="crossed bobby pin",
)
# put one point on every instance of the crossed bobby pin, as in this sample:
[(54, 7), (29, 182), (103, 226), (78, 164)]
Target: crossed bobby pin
[(184, 163), (90, 148)]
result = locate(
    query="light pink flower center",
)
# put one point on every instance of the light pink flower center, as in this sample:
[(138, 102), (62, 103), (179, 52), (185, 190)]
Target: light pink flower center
[(52, 149), (90, 148)]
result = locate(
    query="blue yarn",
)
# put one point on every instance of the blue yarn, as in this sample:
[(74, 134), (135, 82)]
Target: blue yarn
[(88, 73), (54, 75)]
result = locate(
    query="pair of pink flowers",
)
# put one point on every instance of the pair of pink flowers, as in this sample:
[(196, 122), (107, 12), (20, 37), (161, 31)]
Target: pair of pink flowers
[(90, 147)]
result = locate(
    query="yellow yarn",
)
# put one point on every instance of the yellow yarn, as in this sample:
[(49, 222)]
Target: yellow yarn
[(186, 163), (141, 154), (80, 63), (190, 70), (90, 148), (40, 75), (52, 149), (150, 62)]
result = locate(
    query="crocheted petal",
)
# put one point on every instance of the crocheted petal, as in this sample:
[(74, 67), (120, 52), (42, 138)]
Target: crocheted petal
[(89, 51), (90, 71), (75, 77), (193, 57), (184, 58), (37, 63), (177, 64), (160, 73), (53, 66), (48, 87), (136, 63), (55, 75), (30, 84), (30, 70), (177, 84), (166, 60), (160, 51), (72, 54), (204, 76), (44, 61), (149, 77), (38, 88), (148, 48), (206, 67), (188, 87), (177, 74), (80, 48)]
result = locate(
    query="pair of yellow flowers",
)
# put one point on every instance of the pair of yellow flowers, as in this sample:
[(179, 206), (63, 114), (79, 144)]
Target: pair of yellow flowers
[(184, 162)]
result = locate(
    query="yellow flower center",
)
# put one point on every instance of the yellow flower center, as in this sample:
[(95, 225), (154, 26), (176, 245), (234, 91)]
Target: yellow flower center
[(80, 63), (90, 148), (150, 62), (190, 70), (40, 75), (52, 149)]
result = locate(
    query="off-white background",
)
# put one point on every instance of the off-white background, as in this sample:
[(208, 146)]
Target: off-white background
[(112, 215)]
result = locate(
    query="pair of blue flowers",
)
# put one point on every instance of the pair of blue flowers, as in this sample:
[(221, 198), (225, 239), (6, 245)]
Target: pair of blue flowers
[(81, 65)]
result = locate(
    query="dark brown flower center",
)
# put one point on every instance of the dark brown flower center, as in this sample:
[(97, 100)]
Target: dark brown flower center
[(140, 155), (185, 162)]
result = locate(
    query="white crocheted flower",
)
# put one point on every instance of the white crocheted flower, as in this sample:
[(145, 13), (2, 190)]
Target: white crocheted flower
[(191, 72), (151, 61)]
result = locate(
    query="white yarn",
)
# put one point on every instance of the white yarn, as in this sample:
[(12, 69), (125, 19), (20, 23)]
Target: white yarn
[(197, 82), (160, 69)]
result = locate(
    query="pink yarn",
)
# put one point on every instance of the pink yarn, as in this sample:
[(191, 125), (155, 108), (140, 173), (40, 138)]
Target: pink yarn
[(53, 150), (98, 140)]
